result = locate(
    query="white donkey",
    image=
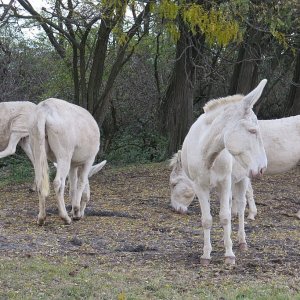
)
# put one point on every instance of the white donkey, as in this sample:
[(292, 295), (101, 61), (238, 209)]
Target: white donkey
[(16, 118), (86, 194), (181, 187), (15, 122), (227, 132), (69, 136), (182, 192), (281, 138)]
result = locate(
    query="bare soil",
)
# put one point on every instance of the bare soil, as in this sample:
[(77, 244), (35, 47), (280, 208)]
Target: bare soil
[(129, 223)]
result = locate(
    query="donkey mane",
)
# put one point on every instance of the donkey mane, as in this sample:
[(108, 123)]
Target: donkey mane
[(175, 160), (216, 103)]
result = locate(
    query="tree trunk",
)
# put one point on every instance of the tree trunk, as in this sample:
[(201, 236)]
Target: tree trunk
[(100, 107), (97, 70), (293, 98), (245, 73), (176, 107), (236, 71)]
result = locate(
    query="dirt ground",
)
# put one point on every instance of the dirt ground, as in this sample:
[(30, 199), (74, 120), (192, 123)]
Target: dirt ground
[(129, 222)]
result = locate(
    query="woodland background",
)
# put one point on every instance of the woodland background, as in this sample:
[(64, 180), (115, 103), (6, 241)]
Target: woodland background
[(144, 69)]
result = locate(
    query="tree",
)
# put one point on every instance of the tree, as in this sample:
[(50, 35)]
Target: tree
[(176, 107), (293, 97), (267, 26), (198, 23), (245, 73), (85, 28)]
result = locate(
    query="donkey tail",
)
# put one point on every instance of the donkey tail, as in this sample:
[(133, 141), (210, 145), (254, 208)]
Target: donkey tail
[(175, 161), (39, 153)]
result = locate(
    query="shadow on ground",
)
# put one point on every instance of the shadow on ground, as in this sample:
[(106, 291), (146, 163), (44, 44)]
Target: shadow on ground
[(129, 222)]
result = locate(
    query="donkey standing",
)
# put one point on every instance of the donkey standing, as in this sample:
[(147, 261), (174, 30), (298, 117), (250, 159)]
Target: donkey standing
[(227, 134), (281, 138), (69, 136)]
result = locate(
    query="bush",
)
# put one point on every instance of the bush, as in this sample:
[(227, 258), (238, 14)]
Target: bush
[(16, 168), (142, 147)]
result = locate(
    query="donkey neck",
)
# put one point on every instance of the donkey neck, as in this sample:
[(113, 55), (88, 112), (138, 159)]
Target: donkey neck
[(213, 143)]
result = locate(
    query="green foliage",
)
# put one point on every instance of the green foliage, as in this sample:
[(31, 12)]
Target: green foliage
[(113, 9), (277, 18), (16, 169), (60, 82), (216, 23), (143, 147), (168, 9)]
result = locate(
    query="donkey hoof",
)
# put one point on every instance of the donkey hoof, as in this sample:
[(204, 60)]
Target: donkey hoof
[(41, 221), (243, 247), (182, 211), (230, 260), (251, 217), (67, 220), (204, 262)]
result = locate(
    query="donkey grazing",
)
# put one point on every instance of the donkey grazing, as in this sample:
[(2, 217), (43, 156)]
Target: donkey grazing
[(69, 136), (15, 122), (182, 192), (223, 144)]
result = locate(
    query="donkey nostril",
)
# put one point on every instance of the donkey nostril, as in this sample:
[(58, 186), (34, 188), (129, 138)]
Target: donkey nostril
[(262, 170)]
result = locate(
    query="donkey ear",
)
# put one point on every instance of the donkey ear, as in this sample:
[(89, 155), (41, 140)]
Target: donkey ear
[(250, 99)]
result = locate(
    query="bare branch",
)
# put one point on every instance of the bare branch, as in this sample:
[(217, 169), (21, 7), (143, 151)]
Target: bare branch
[(7, 7)]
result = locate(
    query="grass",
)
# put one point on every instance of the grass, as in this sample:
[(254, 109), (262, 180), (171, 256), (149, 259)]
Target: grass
[(67, 278), (16, 168)]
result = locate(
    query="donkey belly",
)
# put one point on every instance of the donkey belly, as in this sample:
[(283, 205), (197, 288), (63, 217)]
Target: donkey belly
[(282, 162), (281, 165)]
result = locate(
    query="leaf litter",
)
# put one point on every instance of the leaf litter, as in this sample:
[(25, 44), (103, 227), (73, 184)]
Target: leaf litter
[(129, 223)]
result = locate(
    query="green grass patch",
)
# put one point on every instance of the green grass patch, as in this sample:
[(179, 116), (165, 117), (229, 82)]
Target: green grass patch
[(16, 169), (69, 278)]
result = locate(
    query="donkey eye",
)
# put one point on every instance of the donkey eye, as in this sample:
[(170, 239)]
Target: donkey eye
[(252, 130)]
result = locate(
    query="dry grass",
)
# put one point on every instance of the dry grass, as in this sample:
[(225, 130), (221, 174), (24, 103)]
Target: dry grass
[(132, 246)]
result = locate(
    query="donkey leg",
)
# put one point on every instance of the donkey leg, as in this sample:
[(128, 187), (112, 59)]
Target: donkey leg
[(72, 185), (225, 218), (59, 186), (250, 199), (234, 207), (82, 181), (240, 193), (203, 197), (42, 210), (25, 145), (86, 195)]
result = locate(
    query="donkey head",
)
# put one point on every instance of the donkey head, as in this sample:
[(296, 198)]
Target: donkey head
[(182, 193), (242, 138)]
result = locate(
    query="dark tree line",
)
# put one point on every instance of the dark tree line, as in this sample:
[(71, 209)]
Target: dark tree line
[(144, 69)]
